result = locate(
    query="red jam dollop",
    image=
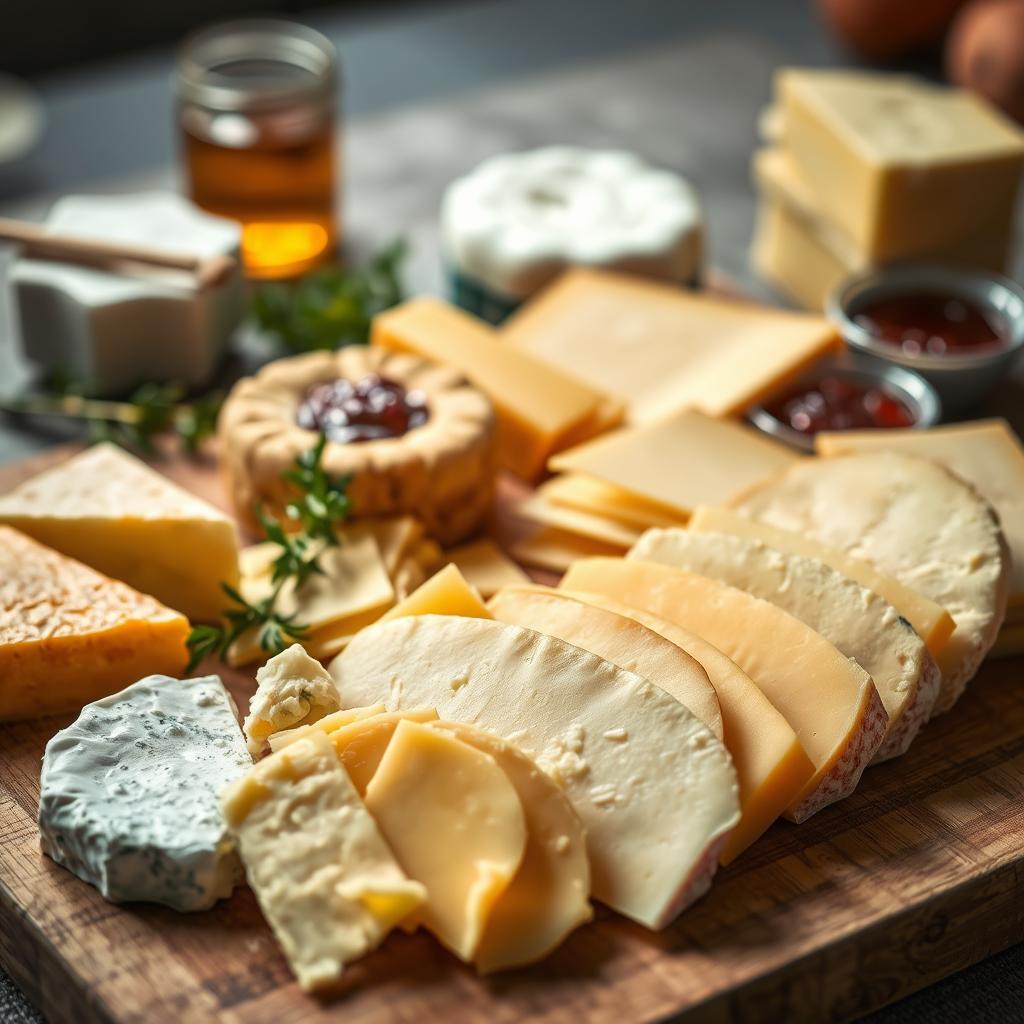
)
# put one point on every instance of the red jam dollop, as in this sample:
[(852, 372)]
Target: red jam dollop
[(931, 324), (365, 410), (839, 403)]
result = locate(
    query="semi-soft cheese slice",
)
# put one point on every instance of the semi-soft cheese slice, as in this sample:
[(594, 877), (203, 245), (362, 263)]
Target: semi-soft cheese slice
[(555, 550), (655, 789), (933, 624), (592, 525), (913, 519), (455, 824), (324, 877), (861, 624), (771, 766), (486, 567), (327, 724), (111, 511), (588, 494), (829, 700), (445, 593), (616, 638)]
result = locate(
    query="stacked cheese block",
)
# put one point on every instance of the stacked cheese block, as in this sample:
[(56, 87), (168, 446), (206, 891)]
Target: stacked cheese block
[(867, 168)]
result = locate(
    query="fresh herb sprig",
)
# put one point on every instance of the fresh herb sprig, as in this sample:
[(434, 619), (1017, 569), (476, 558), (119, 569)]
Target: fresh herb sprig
[(320, 505)]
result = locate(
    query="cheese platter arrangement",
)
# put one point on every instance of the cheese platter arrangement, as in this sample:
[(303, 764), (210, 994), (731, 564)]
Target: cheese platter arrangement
[(511, 666)]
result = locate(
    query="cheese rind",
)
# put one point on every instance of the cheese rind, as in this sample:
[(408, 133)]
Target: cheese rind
[(445, 593), (830, 701)]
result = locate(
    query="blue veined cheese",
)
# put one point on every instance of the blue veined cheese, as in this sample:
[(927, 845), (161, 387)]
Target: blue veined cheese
[(128, 795)]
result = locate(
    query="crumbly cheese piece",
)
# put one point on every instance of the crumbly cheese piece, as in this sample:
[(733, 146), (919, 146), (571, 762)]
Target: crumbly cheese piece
[(913, 519), (771, 766), (540, 409), (128, 793), (591, 525), (588, 494), (654, 788), (69, 635), (829, 700), (486, 567), (292, 689), (616, 638), (933, 624), (647, 343), (547, 898), (112, 512), (687, 460), (861, 624), (324, 877), (555, 550), (455, 824), (445, 593)]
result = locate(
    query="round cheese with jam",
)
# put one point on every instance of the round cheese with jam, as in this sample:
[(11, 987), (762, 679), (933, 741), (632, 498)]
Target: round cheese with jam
[(414, 437), (518, 220)]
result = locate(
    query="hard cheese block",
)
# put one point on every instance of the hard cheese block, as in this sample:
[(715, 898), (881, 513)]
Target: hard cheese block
[(903, 167), (654, 788), (69, 635), (540, 408), (687, 460), (662, 349), (486, 567), (325, 879), (112, 512), (128, 793), (830, 701)]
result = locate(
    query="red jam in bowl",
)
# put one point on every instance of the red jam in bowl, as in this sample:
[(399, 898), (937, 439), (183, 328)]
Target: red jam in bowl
[(931, 324), (366, 410), (834, 402)]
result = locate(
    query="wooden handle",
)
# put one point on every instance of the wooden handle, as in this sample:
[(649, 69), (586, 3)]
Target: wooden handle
[(38, 243)]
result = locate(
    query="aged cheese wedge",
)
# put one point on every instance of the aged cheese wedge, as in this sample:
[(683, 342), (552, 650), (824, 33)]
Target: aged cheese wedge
[(771, 766), (69, 635), (687, 460), (591, 525), (445, 593), (654, 788), (616, 638), (486, 567), (985, 453), (862, 625), (395, 537), (933, 624), (573, 490), (324, 877), (913, 519), (540, 408), (112, 512), (455, 824), (555, 550), (327, 724), (647, 342), (829, 700)]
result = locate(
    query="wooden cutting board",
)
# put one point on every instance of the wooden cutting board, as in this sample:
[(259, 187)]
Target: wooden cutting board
[(919, 874)]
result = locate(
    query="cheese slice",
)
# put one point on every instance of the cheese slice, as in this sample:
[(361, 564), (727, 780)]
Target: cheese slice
[(69, 635), (654, 788), (588, 494), (771, 766), (109, 510), (616, 638), (933, 624), (445, 593), (485, 567), (395, 538), (324, 877), (335, 720), (687, 460), (862, 625), (540, 408), (591, 525), (829, 700), (555, 550), (913, 519), (663, 349), (985, 453), (455, 824)]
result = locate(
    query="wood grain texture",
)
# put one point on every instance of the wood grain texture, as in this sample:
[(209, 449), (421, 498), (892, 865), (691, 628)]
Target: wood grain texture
[(919, 874)]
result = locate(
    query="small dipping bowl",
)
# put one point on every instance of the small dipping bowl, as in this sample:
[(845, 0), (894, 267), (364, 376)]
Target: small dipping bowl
[(962, 377), (904, 387)]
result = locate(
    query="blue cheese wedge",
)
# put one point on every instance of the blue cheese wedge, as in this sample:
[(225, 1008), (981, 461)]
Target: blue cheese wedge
[(128, 795)]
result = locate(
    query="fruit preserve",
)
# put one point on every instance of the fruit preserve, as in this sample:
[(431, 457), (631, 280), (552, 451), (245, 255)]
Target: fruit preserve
[(365, 410), (836, 402)]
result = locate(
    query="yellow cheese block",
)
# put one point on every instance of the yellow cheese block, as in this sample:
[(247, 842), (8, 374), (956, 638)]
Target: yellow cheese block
[(455, 824), (69, 635), (324, 877), (771, 766), (591, 525), (829, 700), (661, 348), (985, 453), (540, 409), (690, 459), (445, 593), (109, 510), (616, 638), (486, 567), (932, 623), (555, 550), (588, 494), (335, 720)]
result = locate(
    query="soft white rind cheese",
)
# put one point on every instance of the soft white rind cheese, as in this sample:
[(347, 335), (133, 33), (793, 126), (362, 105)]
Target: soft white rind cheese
[(128, 795)]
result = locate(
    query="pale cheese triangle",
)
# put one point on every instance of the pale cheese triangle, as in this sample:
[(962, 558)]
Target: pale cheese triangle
[(486, 567), (445, 593)]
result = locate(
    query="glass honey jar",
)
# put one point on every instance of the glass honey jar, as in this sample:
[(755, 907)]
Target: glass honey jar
[(256, 108)]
